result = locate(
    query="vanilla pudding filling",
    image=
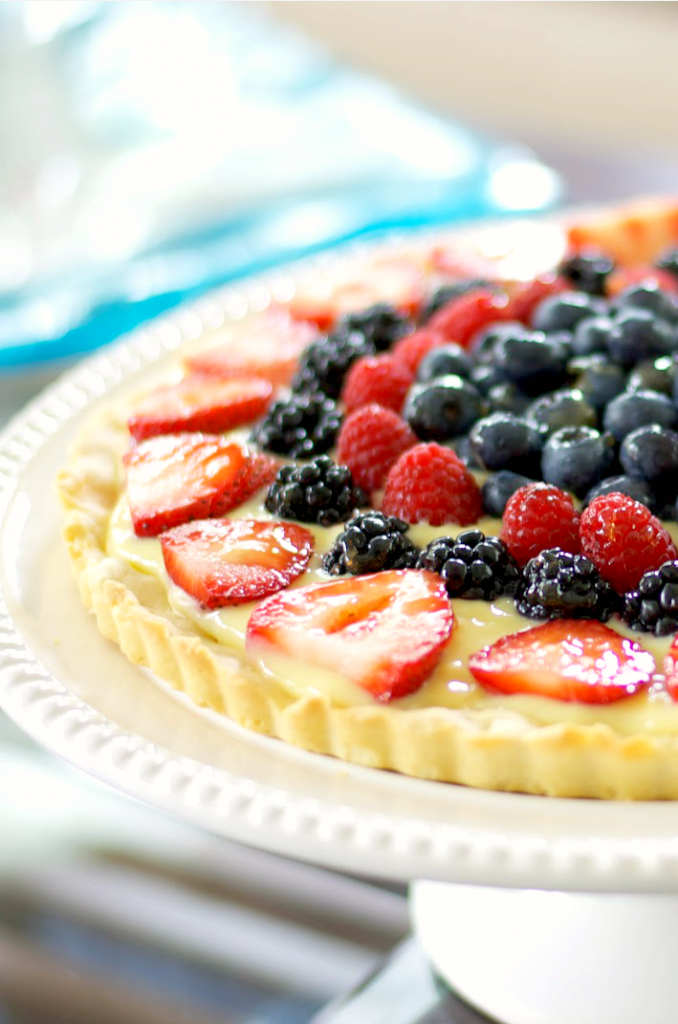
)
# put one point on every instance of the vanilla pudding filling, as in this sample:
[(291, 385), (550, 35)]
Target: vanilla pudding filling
[(477, 624)]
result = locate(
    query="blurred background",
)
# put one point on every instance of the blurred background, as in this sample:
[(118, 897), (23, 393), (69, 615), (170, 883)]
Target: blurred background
[(152, 151)]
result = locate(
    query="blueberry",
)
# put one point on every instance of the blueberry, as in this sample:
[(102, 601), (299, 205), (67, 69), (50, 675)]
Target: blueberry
[(650, 453), (440, 362), (562, 312), (576, 458), (532, 360), (442, 408), (507, 398), (590, 335), (505, 441), (655, 374), (639, 335), (648, 295), (482, 346), (597, 378), (462, 446), (633, 488), (669, 261), (633, 409), (498, 488), (486, 376), (564, 408), (448, 292), (587, 270)]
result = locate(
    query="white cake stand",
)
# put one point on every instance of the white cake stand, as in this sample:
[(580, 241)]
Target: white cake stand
[(537, 911)]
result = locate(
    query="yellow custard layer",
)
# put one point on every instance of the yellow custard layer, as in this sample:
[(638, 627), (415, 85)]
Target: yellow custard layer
[(477, 624)]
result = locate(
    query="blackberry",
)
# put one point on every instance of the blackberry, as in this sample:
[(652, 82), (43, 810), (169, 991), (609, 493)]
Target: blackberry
[(380, 325), (299, 426), (587, 270), (371, 542), (473, 566), (326, 361), (653, 607), (318, 492), (558, 585), (448, 292)]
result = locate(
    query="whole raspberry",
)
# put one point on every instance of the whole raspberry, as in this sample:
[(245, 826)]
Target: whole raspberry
[(381, 379), (464, 316), (539, 516), (624, 540), (411, 350), (370, 441), (430, 484)]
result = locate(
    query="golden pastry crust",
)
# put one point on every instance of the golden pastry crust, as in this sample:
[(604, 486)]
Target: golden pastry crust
[(492, 749)]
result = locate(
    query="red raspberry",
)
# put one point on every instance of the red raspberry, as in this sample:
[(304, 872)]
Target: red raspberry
[(539, 516), (430, 484), (411, 350), (462, 318), (370, 441), (381, 379), (624, 540), (525, 295)]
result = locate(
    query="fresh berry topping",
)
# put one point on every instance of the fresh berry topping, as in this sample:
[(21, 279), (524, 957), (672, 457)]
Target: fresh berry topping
[(650, 454), (317, 492), (534, 361), (505, 441), (199, 402), (440, 362), (668, 261), (560, 585), (381, 325), (299, 426), (567, 660), (628, 485), (325, 363), (649, 296), (576, 458), (376, 379), (443, 408), (671, 670), (624, 540), (430, 484), (498, 488), (447, 292), (638, 335), (506, 398), (371, 542), (525, 296), (564, 311), (413, 349), (587, 270), (268, 346), (653, 606), (462, 318), (597, 378), (222, 562), (564, 408), (631, 410), (370, 441), (385, 631), (624, 277), (654, 375), (590, 335), (174, 478), (539, 516), (473, 566)]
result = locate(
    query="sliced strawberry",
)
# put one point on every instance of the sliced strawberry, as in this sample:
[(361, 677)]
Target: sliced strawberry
[(671, 669), (200, 402), (568, 660), (259, 471), (385, 631), (174, 478), (267, 346), (221, 562)]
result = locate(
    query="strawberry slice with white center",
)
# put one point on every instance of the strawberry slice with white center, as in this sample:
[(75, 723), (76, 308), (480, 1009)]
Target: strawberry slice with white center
[(566, 659), (223, 562), (174, 478), (267, 346), (385, 631), (200, 402)]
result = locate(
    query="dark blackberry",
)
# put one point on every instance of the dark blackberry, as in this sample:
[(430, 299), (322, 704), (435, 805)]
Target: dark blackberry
[(448, 292), (318, 492), (558, 585), (653, 607), (587, 270), (371, 542), (381, 325), (473, 566), (299, 426), (326, 361)]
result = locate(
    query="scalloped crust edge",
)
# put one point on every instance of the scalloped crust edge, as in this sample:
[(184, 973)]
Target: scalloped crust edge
[(486, 750)]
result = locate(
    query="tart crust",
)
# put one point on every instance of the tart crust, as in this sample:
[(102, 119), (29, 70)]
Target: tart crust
[(488, 749)]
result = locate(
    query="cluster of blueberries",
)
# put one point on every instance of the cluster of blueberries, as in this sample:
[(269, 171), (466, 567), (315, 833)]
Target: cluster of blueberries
[(585, 398)]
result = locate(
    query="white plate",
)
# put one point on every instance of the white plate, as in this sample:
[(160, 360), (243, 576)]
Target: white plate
[(76, 694)]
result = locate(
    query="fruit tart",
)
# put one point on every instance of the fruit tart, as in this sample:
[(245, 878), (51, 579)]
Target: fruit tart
[(419, 511)]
